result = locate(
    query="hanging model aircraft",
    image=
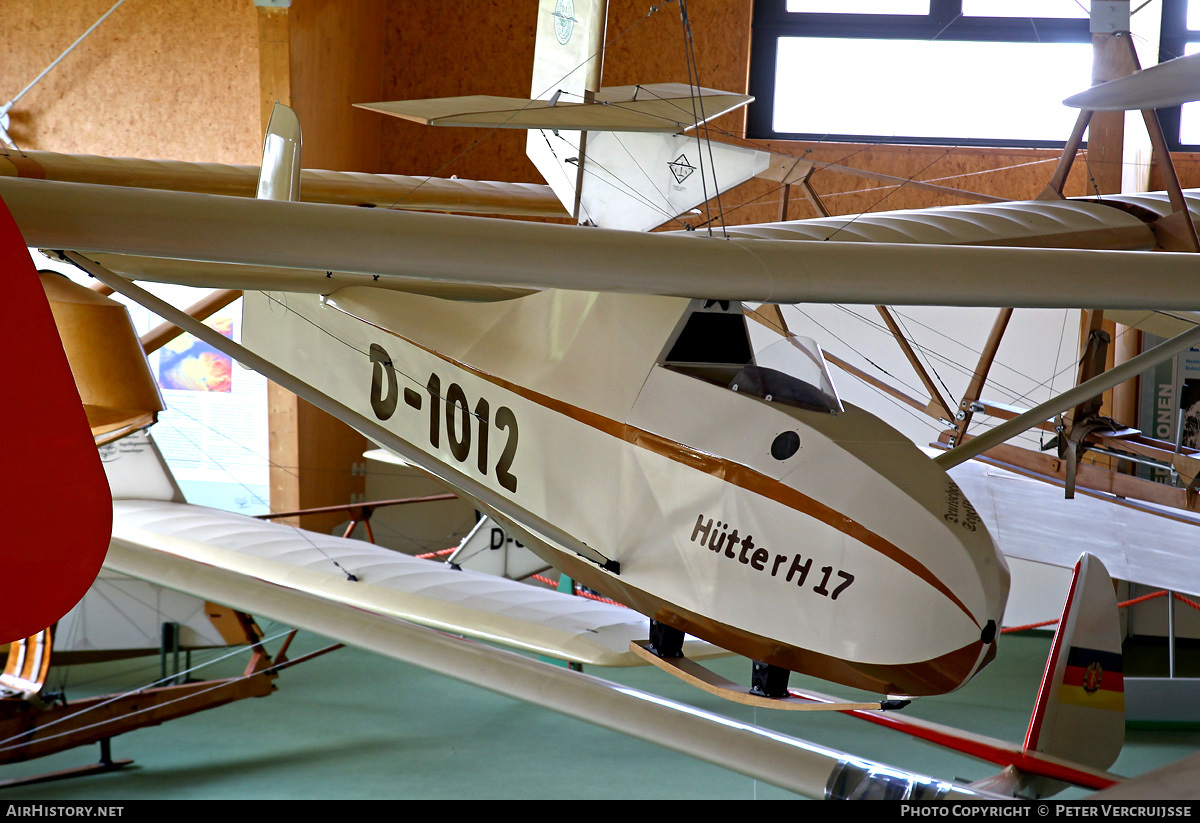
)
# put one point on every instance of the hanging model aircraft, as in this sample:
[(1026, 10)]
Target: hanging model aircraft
[(600, 393)]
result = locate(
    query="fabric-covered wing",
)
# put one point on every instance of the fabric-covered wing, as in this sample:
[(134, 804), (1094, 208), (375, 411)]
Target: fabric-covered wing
[(324, 239), (1031, 520), (388, 191), (199, 550)]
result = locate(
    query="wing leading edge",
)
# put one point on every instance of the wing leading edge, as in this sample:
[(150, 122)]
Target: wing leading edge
[(323, 239)]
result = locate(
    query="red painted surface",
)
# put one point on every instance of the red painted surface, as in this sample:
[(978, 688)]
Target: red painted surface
[(983, 748), (56, 506)]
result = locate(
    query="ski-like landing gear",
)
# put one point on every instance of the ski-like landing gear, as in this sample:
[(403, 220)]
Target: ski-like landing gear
[(769, 681), (665, 641), (664, 649)]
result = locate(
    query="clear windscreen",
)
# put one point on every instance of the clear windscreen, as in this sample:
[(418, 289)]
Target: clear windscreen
[(790, 371)]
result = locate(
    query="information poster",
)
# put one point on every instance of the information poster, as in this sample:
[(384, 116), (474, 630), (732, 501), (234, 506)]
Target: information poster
[(213, 433), (1189, 399)]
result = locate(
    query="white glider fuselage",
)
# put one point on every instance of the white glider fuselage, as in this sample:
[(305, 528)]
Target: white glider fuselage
[(821, 542)]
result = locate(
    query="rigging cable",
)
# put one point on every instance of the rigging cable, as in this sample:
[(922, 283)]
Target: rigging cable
[(698, 118), (4, 110)]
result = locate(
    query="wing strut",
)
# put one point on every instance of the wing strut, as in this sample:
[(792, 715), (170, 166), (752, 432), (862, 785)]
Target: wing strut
[(1069, 399), (470, 486)]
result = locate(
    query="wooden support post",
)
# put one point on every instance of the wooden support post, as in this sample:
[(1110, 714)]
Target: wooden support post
[(1127, 344), (318, 57), (785, 196), (814, 198), (274, 60), (1113, 58)]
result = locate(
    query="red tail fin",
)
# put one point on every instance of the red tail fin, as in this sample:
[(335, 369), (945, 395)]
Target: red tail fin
[(55, 501)]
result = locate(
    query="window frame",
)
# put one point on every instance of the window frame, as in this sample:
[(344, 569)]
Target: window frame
[(772, 21), (1172, 43)]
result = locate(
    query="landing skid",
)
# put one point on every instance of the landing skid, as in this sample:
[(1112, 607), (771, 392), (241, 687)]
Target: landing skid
[(105, 764), (696, 675)]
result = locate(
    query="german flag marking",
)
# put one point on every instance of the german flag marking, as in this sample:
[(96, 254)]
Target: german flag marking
[(1093, 679)]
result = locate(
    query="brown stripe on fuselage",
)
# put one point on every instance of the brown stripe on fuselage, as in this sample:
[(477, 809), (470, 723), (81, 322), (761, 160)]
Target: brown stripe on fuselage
[(923, 678), (735, 473)]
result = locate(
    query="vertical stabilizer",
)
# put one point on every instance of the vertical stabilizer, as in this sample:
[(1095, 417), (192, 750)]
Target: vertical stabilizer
[(1080, 711), (568, 56), (279, 178), (613, 179), (136, 470), (638, 181), (490, 548)]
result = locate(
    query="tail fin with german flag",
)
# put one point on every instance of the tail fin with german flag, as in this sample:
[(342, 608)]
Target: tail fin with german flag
[(1080, 710)]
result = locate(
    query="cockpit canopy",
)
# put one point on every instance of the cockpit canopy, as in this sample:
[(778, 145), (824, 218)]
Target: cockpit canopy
[(713, 344)]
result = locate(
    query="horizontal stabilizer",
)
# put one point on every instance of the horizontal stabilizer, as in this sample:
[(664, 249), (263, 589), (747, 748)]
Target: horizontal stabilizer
[(1167, 84), (626, 108)]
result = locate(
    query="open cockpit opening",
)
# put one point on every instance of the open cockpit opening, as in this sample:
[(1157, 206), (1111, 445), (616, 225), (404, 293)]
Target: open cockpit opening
[(713, 344)]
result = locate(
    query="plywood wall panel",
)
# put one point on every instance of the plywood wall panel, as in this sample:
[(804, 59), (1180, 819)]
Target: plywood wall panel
[(434, 50), (337, 61), (442, 50), (1187, 167), (651, 47), (160, 78)]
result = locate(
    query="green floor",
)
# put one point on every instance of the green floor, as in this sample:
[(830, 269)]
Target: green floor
[(355, 725)]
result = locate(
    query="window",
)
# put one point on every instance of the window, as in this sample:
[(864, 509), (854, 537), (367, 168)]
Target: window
[(978, 72), (1180, 36)]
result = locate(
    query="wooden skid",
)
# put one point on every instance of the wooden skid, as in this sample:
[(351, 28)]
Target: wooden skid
[(696, 675), (79, 771), (46, 731)]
